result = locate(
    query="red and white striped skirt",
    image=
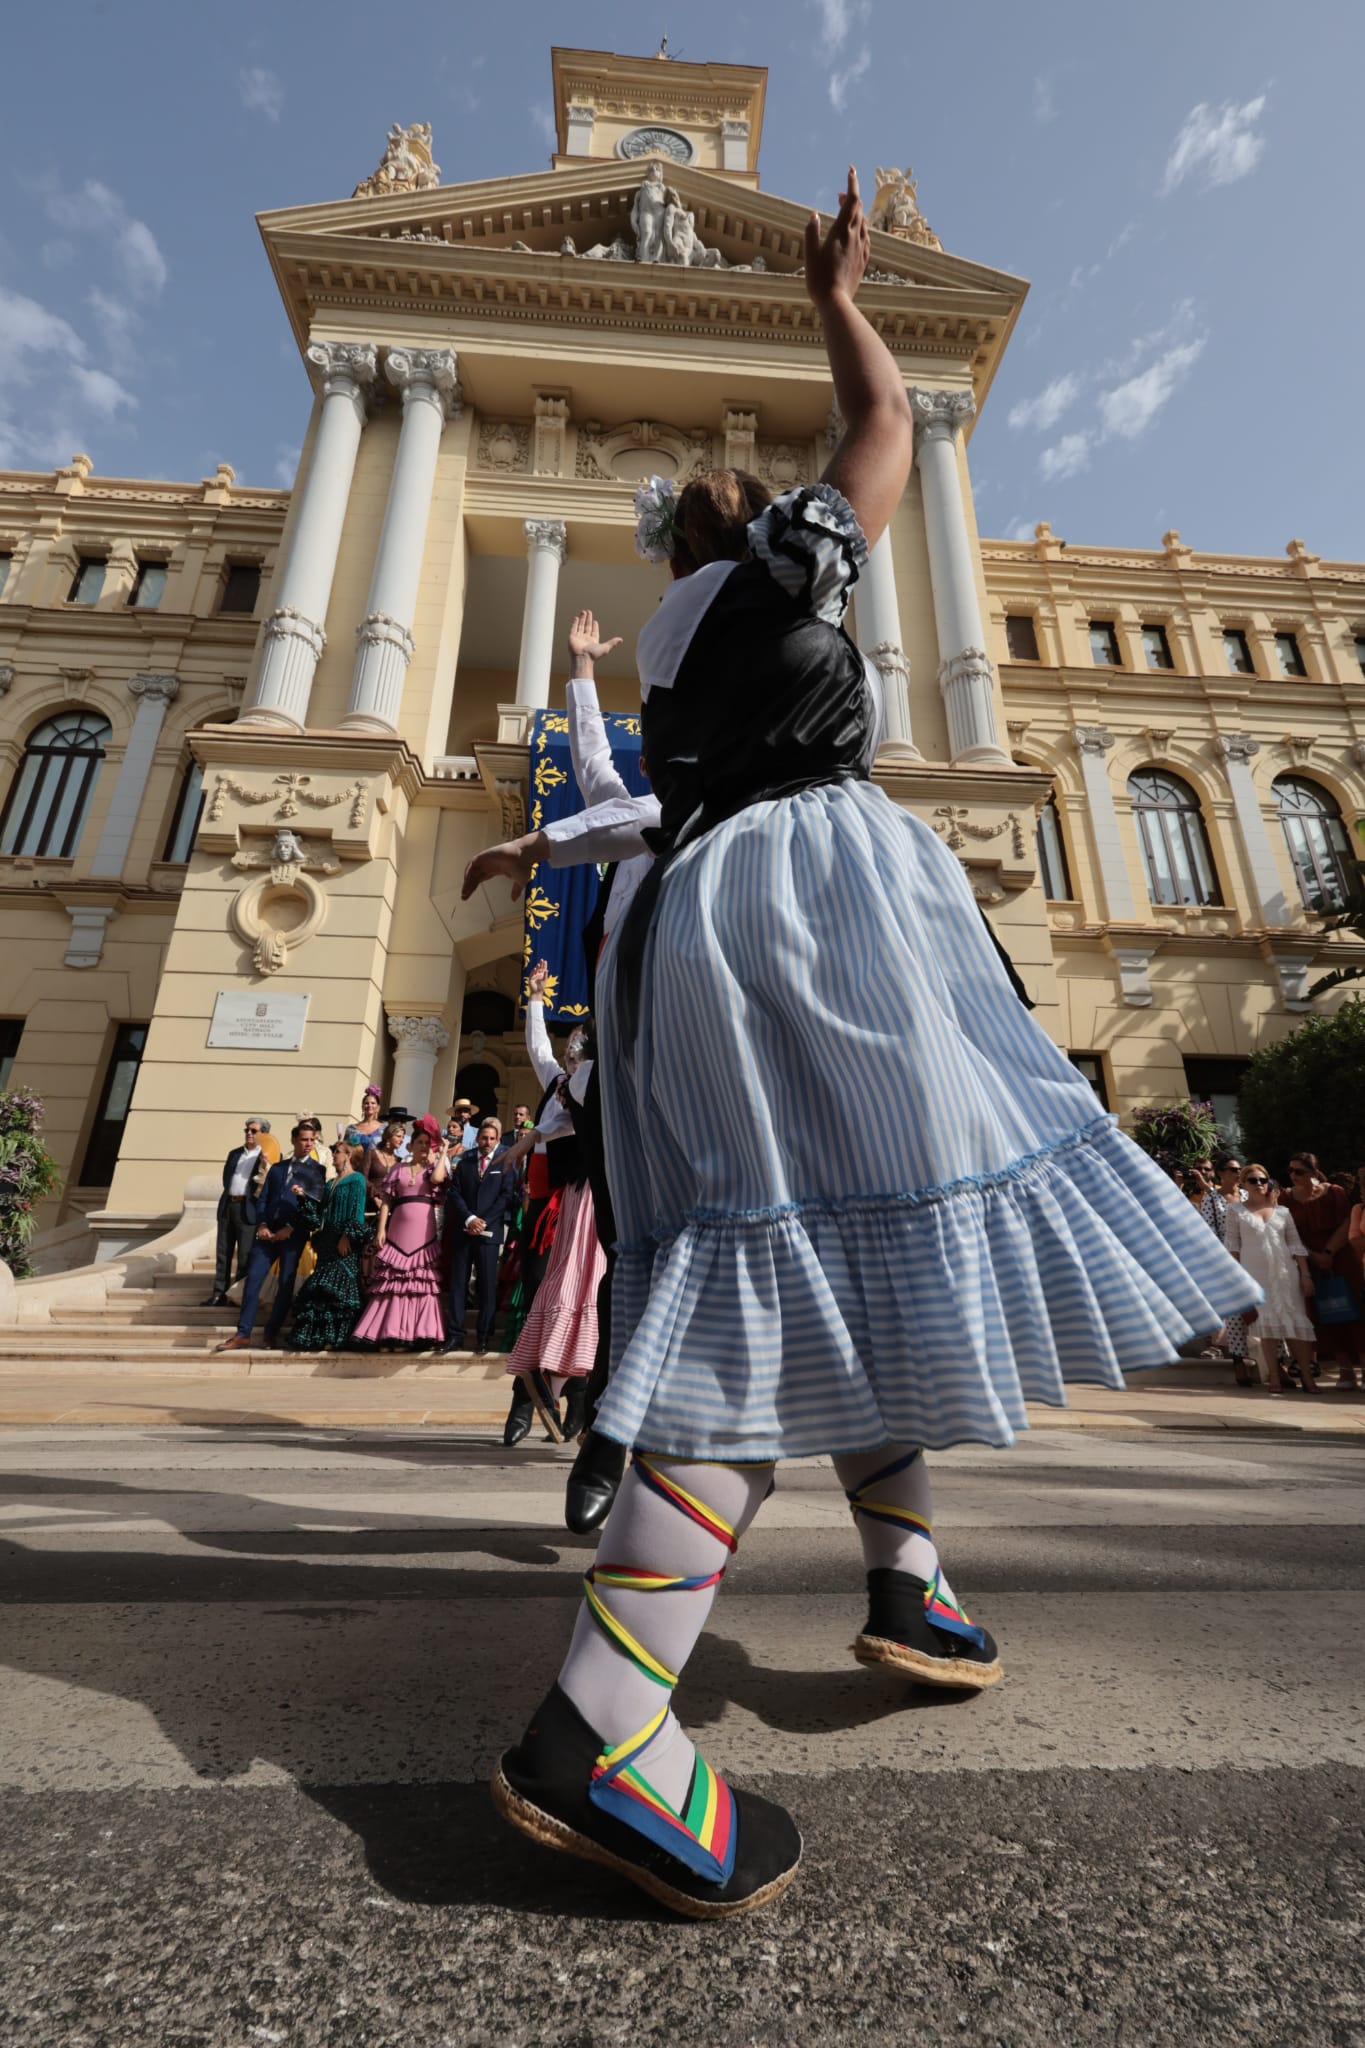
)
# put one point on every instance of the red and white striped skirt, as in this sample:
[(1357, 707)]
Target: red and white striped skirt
[(560, 1333)]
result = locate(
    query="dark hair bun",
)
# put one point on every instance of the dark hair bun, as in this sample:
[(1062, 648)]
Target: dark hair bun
[(712, 517)]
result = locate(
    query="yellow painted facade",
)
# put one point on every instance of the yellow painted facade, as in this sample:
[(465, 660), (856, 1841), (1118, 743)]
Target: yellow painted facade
[(494, 366)]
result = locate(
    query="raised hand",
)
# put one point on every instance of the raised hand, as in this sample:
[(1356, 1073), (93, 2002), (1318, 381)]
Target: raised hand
[(536, 980), (836, 263), (586, 645)]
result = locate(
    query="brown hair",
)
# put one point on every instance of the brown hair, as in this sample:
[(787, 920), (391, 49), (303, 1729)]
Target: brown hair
[(356, 1155), (712, 517)]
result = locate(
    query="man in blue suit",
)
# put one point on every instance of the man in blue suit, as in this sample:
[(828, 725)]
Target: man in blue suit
[(281, 1234), (482, 1192)]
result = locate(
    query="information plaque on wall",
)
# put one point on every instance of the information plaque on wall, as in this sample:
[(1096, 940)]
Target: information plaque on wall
[(252, 1023)]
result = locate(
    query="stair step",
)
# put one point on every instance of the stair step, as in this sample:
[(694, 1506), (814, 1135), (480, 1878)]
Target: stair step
[(104, 1362)]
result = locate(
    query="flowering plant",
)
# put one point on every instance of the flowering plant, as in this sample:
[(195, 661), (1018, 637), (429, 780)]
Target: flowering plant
[(1178, 1135), (656, 504), (28, 1173)]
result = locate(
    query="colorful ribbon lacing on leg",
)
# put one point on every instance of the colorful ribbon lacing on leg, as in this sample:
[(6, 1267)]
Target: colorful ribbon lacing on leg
[(702, 1834), (941, 1607)]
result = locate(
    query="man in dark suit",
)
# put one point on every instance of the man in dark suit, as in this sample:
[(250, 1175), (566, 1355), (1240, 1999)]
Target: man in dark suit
[(244, 1172), (482, 1192), (281, 1234)]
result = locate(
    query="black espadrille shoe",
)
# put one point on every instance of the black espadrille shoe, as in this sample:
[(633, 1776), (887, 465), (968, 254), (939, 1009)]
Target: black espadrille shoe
[(912, 1628), (566, 1788)]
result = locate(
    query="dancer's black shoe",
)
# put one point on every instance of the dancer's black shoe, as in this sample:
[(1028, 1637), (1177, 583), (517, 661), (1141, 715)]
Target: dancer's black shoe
[(903, 1634), (541, 1787), (594, 1477), (543, 1401), (519, 1416), (575, 1409)]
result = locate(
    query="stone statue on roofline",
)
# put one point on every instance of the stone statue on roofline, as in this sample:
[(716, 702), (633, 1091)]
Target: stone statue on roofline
[(665, 232), (406, 165), (895, 209)]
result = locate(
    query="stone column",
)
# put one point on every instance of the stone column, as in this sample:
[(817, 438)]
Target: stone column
[(294, 635), (431, 395), (965, 675), (1092, 744), (879, 636), (153, 694), (547, 543), (418, 1042), (1237, 749)]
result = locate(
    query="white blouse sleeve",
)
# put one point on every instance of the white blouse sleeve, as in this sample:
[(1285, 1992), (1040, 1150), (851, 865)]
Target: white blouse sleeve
[(1297, 1248), (595, 772), (812, 545), (608, 831), (538, 1045), (1232, 1230)]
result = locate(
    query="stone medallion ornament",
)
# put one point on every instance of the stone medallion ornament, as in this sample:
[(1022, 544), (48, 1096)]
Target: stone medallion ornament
[(656, 142)]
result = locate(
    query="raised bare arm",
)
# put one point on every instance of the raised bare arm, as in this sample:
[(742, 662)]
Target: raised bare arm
[(872, 462)]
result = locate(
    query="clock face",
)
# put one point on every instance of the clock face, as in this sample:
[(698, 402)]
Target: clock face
[(657, 142)]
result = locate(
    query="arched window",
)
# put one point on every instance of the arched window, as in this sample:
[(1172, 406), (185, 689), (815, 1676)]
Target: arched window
[(1175, 846), (1318, 843), (189, 809), (49, 799), (1052, 867)]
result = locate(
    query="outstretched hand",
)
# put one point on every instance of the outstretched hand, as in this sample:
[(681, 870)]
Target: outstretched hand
[(836, 263), (585, 644), (536, 980), (513, 860)]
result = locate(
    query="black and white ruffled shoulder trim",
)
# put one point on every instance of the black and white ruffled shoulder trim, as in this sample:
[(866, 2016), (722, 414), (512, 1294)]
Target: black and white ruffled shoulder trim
[(810, 542)]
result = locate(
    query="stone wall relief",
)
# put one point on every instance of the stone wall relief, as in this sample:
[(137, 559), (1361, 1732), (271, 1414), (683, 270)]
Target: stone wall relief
[(992, 876), (784, 464), (406, 165), (638, 449), (664, 230), (504, 447), (283, 908), (895, 209)]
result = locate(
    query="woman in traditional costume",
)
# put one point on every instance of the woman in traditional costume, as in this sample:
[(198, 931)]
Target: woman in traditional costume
[(406, 1310), (328, 1304), (778, 1291)]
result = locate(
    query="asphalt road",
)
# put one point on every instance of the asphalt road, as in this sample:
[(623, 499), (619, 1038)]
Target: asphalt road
[(252, 1683)]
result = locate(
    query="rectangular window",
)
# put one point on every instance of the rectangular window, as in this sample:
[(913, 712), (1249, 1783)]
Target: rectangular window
[(1052, 868), (1021, 636), (6, 562), (11, 1031), (1217, 1082), (1104, 643), (101, 1154), (241, 587), (1360, 651), (148, 586), (1092, 1066), (1156, 647), (88, 581), (1237, 652), (1288, 656), (189, 810)]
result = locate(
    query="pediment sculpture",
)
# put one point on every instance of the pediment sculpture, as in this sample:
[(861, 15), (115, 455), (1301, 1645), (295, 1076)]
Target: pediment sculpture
[(406, 165), (665, 232), (895, 209)]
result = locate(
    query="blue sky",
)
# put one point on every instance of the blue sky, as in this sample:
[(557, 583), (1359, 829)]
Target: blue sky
[(1180, 183)]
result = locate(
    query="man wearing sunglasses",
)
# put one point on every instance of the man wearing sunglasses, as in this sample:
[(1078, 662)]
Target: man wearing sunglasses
[(244, 1172)]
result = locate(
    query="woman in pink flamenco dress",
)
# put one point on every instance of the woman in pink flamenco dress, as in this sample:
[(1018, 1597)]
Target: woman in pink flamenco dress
[(405, 1310)]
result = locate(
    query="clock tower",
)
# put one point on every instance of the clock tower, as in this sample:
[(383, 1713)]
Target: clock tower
[(706, 115)]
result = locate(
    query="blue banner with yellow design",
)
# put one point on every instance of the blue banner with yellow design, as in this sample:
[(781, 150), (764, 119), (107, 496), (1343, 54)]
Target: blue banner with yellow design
[(559, 901)]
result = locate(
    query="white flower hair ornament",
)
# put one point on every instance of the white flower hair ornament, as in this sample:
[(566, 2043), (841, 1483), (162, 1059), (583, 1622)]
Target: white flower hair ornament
[(656, 504)]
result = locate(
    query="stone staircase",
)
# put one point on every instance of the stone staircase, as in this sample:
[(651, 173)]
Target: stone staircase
[(162, 1329)]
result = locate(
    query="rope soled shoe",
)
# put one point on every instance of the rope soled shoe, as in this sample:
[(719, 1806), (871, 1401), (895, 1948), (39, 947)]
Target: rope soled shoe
[(912, 1629), (726, 1852)]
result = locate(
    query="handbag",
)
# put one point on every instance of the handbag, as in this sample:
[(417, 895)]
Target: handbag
[(1334, 1300)]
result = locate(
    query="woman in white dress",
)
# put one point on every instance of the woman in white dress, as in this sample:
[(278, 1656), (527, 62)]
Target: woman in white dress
[(1265, 1239)]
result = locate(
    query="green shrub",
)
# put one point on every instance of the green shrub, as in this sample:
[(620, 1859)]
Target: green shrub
[(1307, 1094), (1178, 1135), (28, 1174)]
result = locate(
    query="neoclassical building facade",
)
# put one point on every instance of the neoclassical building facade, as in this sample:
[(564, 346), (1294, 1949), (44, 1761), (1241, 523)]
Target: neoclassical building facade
[(252, 737)]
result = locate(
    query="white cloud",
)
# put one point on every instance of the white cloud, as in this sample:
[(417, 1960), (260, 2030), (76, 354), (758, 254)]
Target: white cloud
[(1130, 408), (49, 396), (27, 328), (1020, 529), (1046, 409), (1221, 144), (95, 210), (101, 392), (262, 92), (1067, 457), (841, 83), (1044, 104), (543, 117)]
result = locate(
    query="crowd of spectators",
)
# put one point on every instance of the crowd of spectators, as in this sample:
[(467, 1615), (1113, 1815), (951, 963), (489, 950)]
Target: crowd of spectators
[(1304, 1242), (378, 1242)]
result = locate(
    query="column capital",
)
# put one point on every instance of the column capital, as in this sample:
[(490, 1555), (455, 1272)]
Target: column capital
[(154, 686), (426, 373), (735, 131), (939, 415), (1236, 746), (419, 1034), (346, 368), (1092, 739), (550, 536), (286, 622), (380, 626)]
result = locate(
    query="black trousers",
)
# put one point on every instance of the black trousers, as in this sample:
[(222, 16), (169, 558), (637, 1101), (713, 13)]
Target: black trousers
[(235, 1238), (467, 1250)]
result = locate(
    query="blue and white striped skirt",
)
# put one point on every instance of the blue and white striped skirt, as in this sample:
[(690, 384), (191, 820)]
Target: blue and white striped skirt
[(860, 1195)]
